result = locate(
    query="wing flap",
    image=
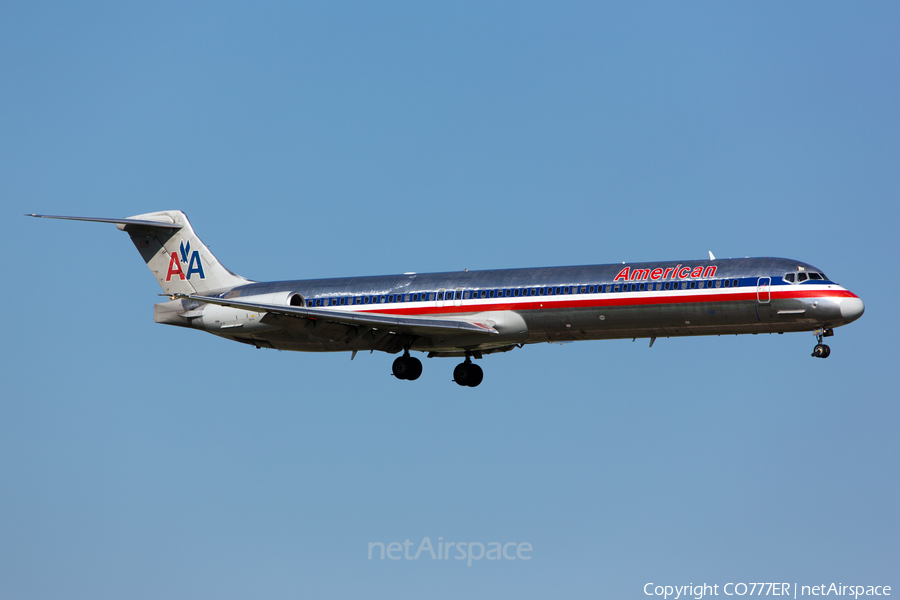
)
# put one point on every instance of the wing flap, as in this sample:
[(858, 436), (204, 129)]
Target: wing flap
[(401, 324)]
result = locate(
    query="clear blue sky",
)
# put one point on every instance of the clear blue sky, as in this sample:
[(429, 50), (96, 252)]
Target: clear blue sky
[(144, 461)]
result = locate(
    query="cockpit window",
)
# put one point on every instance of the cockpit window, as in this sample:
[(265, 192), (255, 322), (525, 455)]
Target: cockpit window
[(789, 277), (801, 277), (815, 275)]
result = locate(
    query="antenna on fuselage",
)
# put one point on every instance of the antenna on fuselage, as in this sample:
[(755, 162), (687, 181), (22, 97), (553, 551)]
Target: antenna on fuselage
[(711, 257)]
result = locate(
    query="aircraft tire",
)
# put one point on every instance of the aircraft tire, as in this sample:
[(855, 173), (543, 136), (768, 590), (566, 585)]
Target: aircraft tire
[(468, 374), (415, 368), (401, 368), (476, 375), (461, 374), (821, 351)]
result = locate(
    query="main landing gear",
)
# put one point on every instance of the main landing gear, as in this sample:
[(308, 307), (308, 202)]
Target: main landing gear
[(821, 350), (407, 367), (468, 373)]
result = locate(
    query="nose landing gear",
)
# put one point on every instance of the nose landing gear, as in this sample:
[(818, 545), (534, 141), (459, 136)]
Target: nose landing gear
[(821, 350), (468, 373), (407, 367)]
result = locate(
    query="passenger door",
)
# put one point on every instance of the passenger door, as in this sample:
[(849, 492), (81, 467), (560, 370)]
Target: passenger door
[(764, 290)]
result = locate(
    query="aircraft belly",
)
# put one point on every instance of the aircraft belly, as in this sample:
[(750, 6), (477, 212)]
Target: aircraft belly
[(712, 318), (572, 324)]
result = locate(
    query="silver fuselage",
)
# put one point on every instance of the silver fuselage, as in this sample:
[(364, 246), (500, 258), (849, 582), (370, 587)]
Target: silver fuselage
[(553, 304)]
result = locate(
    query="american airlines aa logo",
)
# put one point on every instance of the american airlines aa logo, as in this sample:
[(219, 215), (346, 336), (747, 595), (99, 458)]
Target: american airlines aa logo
[(194, 265)]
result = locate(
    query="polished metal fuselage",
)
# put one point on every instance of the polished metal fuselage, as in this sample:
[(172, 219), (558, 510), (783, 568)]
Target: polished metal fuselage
[(553, 304)]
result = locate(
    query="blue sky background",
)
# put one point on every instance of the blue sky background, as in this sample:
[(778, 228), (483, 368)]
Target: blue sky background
[(143, 461)]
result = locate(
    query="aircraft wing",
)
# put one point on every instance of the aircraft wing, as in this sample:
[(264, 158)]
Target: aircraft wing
[(418, 326)]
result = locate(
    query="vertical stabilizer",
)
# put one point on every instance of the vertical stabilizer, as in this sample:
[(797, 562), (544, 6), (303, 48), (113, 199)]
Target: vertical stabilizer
[(181, 263)]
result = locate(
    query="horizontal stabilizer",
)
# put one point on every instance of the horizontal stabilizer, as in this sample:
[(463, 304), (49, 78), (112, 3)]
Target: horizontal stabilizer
[(136, 222)]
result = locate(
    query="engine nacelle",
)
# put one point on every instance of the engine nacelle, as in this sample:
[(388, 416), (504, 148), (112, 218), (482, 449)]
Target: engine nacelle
[(227, 320), (222, 319), (277, 298)]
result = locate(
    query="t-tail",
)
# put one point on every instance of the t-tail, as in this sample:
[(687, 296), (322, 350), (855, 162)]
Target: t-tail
[(181, 263)]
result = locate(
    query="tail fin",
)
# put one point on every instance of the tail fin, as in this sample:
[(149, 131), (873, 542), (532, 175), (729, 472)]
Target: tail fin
[(181, 263)]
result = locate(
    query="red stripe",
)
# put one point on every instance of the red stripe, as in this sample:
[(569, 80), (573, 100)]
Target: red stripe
[(598, 303)]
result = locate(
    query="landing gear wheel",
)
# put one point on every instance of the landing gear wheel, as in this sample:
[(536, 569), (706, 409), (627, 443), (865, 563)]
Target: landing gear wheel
[(821, 351), (415, 368), (407, 367), (467, 374), (475, 375)]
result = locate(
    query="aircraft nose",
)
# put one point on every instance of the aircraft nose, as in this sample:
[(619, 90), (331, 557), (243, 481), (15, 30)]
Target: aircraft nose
[(852, 309)]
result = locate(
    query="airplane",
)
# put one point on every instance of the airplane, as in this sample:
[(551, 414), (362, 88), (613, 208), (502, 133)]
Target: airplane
[(469, 314)]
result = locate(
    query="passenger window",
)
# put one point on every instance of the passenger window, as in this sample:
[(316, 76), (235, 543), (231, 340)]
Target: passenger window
[(801, 277), (718, 283), (789, 277), (557, 290), (734, 283), (642, 287), (583, 289)]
